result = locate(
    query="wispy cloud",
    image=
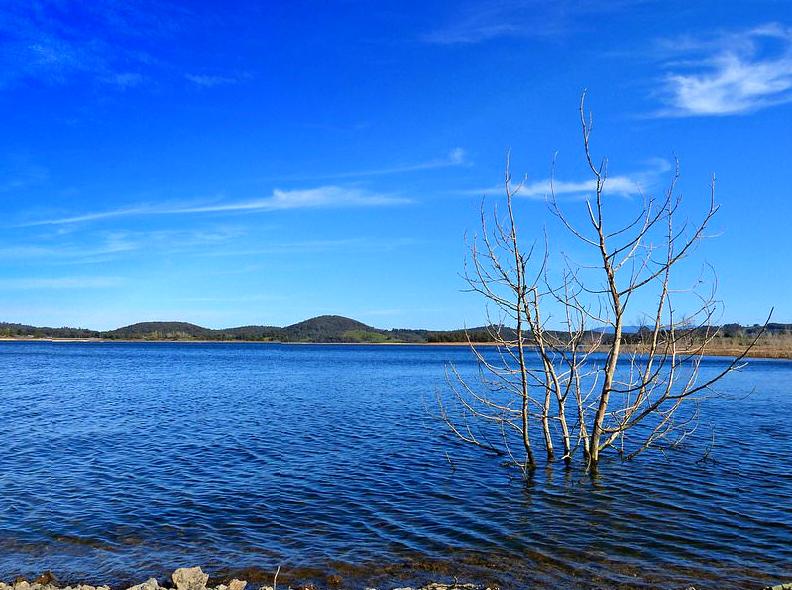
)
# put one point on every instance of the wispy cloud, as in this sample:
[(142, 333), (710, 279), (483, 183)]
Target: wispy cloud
[(321, 197), (102, 246), (211, 81), (315, 198), (728, 74), (259, 297), (94, 216), (65, 252), (18, 173), (41, 43), (366, 244), (477, 22), (61, 283), (106, 42), (125, 79), (480, 22), (618, 185), (303, 246), (456, 157)]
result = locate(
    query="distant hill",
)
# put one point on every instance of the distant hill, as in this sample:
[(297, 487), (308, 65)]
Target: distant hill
[(249, 333), (333, 328), (327, 328), (159, 331)]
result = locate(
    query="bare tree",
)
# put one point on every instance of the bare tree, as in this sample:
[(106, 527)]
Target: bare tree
[(586, 385)]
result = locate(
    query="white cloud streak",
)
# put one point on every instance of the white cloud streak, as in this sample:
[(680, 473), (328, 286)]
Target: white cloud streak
[(456, 157), (110, 245), (487, 20), (211, 81), (312, 246), (61, 283), (619, 185), (324, 197), (111, 43), (729, 74)]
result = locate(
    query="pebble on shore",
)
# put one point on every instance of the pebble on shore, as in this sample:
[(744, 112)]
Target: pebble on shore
[(193, 578)]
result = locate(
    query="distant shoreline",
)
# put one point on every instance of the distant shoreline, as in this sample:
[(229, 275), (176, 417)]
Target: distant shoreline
[(758, 352), (772, 340), (192, 341)]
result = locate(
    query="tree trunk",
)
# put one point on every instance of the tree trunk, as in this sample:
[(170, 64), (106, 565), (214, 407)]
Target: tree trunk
[(610, 371)]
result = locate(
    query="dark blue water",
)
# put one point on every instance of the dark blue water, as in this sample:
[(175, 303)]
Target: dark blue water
[(120, 461)]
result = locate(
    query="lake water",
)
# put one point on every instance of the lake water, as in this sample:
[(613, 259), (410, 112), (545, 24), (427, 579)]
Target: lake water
[(123, 461)]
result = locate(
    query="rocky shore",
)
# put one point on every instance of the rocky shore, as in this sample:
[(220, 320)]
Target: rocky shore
[(193, 578)]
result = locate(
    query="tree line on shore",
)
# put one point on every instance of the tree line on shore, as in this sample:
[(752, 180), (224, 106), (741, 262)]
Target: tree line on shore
[(330, 329)]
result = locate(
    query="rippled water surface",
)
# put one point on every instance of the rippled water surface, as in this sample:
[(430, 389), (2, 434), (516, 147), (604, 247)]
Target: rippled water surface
[(120, 461)]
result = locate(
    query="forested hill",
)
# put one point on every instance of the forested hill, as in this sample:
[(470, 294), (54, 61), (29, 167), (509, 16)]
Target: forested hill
[(326, 328)]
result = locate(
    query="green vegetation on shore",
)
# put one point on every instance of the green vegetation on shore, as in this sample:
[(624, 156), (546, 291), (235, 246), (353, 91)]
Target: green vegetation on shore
[(326, 328), (776, 341)]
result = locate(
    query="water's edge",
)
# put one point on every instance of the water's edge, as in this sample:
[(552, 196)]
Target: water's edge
[(195, 579)]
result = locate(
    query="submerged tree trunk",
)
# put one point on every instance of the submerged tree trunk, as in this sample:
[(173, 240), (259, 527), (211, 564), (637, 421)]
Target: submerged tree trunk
[(602, 409)]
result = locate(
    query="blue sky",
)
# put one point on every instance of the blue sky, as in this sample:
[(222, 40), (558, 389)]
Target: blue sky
[(261, 163)]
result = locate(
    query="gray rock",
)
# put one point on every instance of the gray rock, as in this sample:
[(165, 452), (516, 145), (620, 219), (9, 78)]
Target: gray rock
[(189, 578), (237, 584), (150, 584)]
